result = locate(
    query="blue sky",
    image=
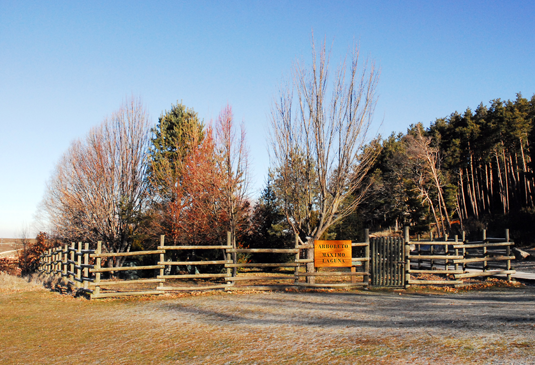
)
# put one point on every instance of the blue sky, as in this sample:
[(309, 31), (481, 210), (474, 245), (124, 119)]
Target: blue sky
[(65, 66)]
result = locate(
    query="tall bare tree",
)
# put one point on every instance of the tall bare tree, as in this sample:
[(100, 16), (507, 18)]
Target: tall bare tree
[(98, 191), (318, 131), (424, 160), (234, 168)]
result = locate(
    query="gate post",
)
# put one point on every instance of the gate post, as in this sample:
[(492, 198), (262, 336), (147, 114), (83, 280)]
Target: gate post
[(229, 259), (310, 256), (367, 256), (407, 255)]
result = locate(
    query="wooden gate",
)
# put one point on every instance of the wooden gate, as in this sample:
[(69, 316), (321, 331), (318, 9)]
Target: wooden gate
[(387, 262)]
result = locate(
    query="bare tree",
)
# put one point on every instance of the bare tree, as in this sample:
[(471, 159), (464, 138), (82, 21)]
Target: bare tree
[(318, 133), (426, 175), (99, 191), (234, 168)]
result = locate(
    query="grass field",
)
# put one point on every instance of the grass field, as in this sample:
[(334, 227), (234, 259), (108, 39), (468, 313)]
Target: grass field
[(346, 327)]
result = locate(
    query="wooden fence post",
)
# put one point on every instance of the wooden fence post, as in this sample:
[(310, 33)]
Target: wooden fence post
[(508, 254), (230, 271), (367, 256), (296, 271), (407, 254), (66, 265), (485, 252), (98, 261), (79, 266), (310, 265), (464, 252), (456, 252), (73, 249), (162, 260), (86, 268), (446, 251)]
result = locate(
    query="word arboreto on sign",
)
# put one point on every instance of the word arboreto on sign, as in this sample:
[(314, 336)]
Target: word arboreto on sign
[(332, 253)]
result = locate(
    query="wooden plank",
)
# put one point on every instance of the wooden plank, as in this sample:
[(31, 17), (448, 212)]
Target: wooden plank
[(435, 271), (304, 261), (434, 257), (186, 263), (134, 253), (126, 268), (432, 243), (359, 244), (335, 273), (327, 285), (194, 247), (260, 287), (484, 259), (484, 273), (242, 278), (190, 288), (481, 245), (288, 264), (121, 282), (434, 282), (192, 276), (264, 250), (126, 294)]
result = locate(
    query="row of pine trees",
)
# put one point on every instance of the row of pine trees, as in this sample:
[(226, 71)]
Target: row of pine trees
[(466, 172)]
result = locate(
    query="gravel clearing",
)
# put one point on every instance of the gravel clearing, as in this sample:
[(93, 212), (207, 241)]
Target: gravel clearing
[(492, 326)]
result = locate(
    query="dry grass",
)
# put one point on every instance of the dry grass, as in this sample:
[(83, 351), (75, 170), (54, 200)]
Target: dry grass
[(342, 327), (15, 284)]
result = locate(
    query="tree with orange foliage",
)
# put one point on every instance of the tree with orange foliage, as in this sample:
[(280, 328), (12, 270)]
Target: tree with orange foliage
[(185, 179), (199, 182)]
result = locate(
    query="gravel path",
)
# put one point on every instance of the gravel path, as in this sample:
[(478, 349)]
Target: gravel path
[(492, 326)]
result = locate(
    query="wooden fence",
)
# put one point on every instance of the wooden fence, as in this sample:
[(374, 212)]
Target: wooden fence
[(448, 261), (86, 277), (454, 260)]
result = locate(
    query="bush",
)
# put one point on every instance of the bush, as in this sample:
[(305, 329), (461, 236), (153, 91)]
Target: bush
[(30, 254), (9, 266)]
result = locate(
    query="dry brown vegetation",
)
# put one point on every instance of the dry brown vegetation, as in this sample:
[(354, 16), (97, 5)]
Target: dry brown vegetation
[(346, 327)]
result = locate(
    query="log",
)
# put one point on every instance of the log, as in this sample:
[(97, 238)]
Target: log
[(190, 288), (304, 261), (434, 282), (261, 287), (126, 268), (482, 245), (192, 276), (326, 285), (264, 250), (242, 278), (336, 273), (521, 254), (484, 273), (288, 264), (435, 271), (125, 294), (118, 254), (484, 259), (432, 243), (434, 257), (185, 263), (359, 259), (121, 282), (194, 247)]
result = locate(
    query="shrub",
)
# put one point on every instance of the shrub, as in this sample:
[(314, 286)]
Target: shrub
[(30, 254)]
